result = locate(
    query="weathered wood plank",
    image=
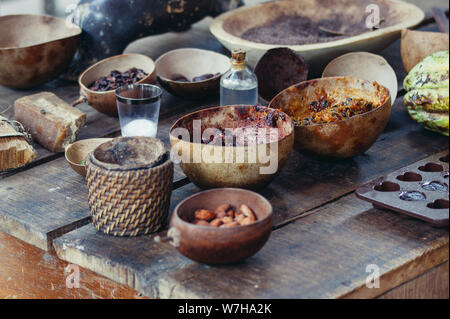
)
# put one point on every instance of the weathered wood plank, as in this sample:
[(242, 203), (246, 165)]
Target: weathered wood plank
[(433, 284), (323, 255), (28, 272)]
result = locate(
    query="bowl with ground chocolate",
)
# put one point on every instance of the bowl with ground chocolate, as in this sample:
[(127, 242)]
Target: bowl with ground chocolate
[(191, 73), (222, 225), (232, 146), (98, 83), (320, 30), (338, 117)]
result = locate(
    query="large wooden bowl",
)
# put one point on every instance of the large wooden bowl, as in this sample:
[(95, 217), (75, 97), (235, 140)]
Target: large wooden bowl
[(213, 245), (229, 170), (229, 27), (105, 101), (191, 63), (342, 139), (35, 49)]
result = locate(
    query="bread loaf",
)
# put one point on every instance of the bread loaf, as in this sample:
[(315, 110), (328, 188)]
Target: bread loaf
[(51, 121)]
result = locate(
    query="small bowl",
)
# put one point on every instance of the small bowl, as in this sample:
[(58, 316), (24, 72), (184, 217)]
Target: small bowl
[(249, 173), (342, 139), (35, 49), (211, 245), (417, 45), (191, 63), (376, 68), (105, 101), (78, 151)]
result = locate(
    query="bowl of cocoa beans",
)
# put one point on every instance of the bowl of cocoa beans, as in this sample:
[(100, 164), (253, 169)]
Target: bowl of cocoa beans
[(191, 73), (221, 225)]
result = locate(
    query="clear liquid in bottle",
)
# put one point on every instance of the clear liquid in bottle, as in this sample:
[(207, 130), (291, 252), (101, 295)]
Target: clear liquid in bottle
[(239, 85)]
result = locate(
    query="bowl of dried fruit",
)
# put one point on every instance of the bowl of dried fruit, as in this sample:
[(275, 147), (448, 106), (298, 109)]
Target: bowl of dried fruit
[(191, 73), (99, 82), (336, 117), (222, 225)]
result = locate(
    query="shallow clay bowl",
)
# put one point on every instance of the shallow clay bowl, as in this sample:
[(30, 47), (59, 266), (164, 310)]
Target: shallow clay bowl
[(213, 245), (34, 49), (191, 63), (105, 101), (375, 68), (229, 27), (417, 45), (78, 151), (342, 139), (239, 164)]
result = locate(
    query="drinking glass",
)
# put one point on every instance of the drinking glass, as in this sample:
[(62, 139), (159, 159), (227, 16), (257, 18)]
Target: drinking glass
[(138, 106)]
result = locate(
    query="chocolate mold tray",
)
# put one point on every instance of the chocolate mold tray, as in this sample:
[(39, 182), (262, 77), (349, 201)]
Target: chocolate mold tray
[(420, 190)]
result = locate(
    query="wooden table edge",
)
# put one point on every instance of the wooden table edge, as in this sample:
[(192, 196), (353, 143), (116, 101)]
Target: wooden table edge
[(408, 271)]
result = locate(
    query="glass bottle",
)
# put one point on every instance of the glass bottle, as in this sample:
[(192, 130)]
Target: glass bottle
[(239, 85)]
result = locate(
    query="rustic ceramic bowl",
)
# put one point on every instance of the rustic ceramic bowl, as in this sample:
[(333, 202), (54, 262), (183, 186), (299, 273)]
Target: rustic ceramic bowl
[(212, 245), (376, 68), (237, 166), (191, 63), (78, 151), (229, 27), (105, 101), (342, 139), (417, 45), (35, 49)]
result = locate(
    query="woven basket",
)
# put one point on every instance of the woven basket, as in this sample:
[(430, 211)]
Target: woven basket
[(129, 202)]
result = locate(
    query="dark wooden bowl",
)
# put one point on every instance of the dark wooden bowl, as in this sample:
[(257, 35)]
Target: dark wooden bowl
[(228, 172), (191, 63), (343, 139), (212, 245), (35, 49)]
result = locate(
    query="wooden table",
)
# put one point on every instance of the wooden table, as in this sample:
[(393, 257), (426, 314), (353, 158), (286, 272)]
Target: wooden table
[(323, 242)]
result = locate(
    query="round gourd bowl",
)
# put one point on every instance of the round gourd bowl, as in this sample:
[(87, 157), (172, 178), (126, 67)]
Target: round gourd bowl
[(76, 153), (191, 63), (262, 142), (105, 101), (35, 49), (343, 138), (376, 68), (213, 245)]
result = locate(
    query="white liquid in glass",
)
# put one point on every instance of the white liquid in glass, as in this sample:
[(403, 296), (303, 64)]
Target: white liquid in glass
[(140, 127)]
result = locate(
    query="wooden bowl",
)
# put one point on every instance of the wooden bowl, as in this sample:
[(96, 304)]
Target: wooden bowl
[(105, 101), (376, 68), (191, 63), (35, 49), (229, 27), (417, 45), (342, 139), (235, 165), (78, 151), (213, 245)]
